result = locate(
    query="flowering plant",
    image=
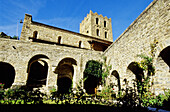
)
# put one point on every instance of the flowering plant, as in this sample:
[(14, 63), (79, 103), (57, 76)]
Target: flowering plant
[(1, 85)]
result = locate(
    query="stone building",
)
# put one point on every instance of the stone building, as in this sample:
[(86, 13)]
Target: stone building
[(51, 57)]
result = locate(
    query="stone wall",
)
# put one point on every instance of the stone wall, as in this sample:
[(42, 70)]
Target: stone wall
[(151, 27), (19, 54), (34, 30)]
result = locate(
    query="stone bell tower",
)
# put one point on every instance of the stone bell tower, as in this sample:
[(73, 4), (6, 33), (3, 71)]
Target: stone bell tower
[(97, 26)]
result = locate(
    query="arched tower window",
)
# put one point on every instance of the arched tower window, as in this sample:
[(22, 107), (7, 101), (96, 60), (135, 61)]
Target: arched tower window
[(105, 34), (35, 34), (97, 20), (97, 32), (80, 44), (104, 23), (59, 39)]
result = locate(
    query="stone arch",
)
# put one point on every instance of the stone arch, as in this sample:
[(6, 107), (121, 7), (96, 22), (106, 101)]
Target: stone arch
[(65, 71), (7, 74), (162, 68), (165, 55), (133, 68), (161, 46), (91, 83), (116, 75), (37, 71)]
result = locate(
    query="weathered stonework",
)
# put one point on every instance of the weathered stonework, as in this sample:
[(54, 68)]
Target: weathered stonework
[(92, 22), (33, 30), (151, 27), (62, 53), (18, 53)]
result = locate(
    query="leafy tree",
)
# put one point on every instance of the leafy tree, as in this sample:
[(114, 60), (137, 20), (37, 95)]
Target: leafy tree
[(15, 37), (93, 68)]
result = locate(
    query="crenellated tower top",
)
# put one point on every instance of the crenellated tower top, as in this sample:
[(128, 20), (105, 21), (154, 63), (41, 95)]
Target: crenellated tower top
[(97, 26)]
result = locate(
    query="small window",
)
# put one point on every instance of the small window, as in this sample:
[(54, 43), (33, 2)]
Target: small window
[(79, 44), (97, 20), (104, 23), (97, 32), (105, 34), (87, 31), (35, 34), (59, 40)]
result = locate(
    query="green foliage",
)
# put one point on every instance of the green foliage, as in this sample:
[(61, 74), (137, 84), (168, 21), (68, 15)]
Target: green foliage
[(14, 37), (106, 70), (22, 96), (1, 91), (128, 96), (108, 93), (93, 68), (153, 46), (147, 64), (144, 86)]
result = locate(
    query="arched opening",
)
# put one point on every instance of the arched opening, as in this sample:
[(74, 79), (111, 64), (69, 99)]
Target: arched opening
[(65, 71), (59, 40), (105, 34), (135, 69), (165, 54), (37, 72), (7, 74), (79, 44), (162, 68), (97, 21), (104, 23), (92, 76), (65, 76), (116, 75), (139, 75), (97, 32)]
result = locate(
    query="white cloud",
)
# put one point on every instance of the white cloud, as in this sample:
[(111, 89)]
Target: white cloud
[(14, 10)]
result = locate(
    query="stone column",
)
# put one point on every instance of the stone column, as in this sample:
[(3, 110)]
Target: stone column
[(51, 78), (21, 75), (75, 76)]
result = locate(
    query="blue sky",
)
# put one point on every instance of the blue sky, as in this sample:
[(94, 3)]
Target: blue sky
[(68, 14)]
